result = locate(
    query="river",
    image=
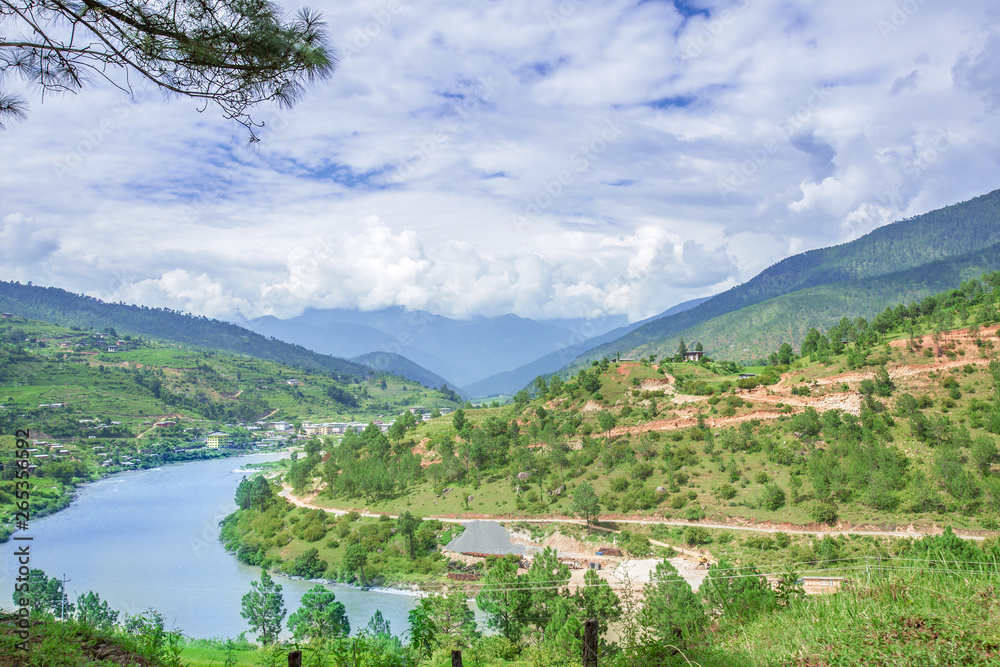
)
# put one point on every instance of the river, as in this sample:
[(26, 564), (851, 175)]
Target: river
[(149, 539)]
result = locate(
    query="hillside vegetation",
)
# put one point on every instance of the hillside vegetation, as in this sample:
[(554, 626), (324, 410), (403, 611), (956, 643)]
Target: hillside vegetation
[(882, 423), (907, 259), (868, 424), (97, 411), (933, 603), (51, 304)]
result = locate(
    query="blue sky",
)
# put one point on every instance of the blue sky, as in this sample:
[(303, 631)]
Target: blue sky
[(546, 158)]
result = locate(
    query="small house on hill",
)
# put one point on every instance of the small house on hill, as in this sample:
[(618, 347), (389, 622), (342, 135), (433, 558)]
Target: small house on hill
[(693, 355)]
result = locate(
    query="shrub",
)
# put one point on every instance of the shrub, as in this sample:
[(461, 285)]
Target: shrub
[(760, 542), (314, 532), (308, 565), (635, 544), (727, 492), (619, 484), (773, 497), (823, 512), (696, 536), (694, 514), (642, 471), (609, 501)]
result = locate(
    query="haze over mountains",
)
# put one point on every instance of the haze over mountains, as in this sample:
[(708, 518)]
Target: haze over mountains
[(462, 351), (486, 356), (903, 261)]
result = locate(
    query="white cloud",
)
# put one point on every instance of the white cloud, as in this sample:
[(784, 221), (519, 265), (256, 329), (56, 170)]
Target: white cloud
[(461, 159)]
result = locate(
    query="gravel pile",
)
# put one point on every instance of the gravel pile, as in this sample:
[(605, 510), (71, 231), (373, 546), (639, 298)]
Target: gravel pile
[(485, 537)]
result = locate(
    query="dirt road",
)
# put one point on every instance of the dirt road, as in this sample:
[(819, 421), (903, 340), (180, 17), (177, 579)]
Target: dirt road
[(305, 502)]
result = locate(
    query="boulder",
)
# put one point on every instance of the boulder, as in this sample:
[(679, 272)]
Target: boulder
[(523, 475)]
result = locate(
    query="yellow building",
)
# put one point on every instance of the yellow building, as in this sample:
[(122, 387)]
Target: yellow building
[(215, 440)]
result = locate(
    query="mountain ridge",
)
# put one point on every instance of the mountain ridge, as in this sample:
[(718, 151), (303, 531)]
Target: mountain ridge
[(950, 232)]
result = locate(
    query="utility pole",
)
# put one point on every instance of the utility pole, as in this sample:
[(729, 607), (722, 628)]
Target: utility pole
[(62, 600)]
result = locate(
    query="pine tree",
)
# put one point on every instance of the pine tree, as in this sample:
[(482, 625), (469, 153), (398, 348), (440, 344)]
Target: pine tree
[(232, 53), (264, 608)]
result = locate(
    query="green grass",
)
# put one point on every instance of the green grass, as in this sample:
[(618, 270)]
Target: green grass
[(213, 653), (901, 619)]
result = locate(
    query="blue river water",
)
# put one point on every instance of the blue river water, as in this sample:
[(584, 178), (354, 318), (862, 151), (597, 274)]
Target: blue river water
[(148, 539)]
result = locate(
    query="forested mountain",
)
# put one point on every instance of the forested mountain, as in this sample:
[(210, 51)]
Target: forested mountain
[(52, 304), (753, 332), (961, 240), (399, 365)]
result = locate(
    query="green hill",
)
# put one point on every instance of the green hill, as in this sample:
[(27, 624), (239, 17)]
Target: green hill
[(52, 378), (389, 362), (959, 239), (753, 332), (51, 304)]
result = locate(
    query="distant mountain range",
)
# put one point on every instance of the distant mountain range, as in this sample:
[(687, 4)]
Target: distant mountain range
[(905, 260), (463, 351), (483, 356), (487, 356)]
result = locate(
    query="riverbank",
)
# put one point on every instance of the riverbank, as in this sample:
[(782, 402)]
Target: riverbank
[(150, 539), (49, 496)]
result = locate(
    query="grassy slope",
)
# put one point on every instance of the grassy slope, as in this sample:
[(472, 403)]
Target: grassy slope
[(52, 374), (905, 618), (706, 472)]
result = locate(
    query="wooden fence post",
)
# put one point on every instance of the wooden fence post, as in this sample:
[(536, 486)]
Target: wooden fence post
[(456, 659), (590, 642), (295, 659)]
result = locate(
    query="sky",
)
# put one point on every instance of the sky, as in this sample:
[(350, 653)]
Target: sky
[(548, 158)]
